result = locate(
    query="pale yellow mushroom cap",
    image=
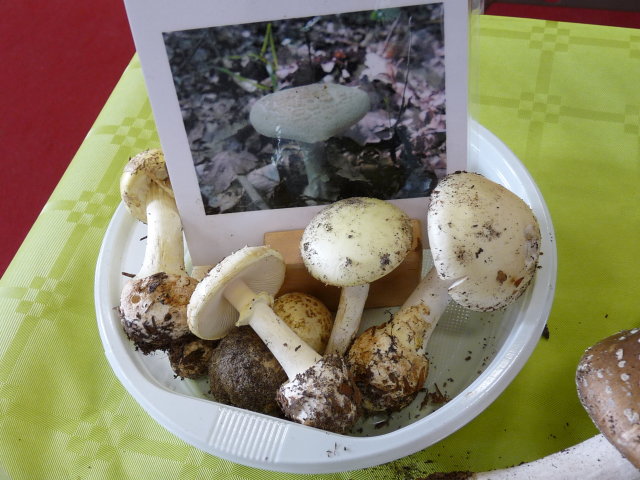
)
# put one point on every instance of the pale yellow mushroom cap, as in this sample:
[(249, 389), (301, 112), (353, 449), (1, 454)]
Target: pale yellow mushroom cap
[(307, 316), (139, 173), (356, 241)]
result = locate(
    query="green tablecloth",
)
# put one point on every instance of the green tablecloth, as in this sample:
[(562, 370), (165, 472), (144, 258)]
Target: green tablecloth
[(564, 97)]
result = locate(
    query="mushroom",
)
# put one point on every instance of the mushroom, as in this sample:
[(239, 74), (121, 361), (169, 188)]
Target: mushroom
[(153, 304), (307, 316), (244, 373), (320, 391), (190, 356), (608, 382), (310, 114), (484, 241), (350, 244)]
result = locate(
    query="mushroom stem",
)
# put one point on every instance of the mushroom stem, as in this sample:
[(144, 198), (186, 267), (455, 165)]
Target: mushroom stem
[(318, 187), (348, 317), (593, 459), (429, 300), (294, 355), (165, 246)]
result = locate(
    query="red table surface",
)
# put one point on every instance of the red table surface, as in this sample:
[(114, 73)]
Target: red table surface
[(61, 60)]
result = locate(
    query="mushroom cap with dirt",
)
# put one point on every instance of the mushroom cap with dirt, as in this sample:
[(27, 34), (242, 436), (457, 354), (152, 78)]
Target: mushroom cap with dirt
[(244, 373), (350, 244), (239, 291), (484, 240), (190, 356), (153, 303), (608, 383), (307, 316)]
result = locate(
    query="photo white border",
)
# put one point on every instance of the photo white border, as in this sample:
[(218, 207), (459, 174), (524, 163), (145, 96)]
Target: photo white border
[(212, 237)]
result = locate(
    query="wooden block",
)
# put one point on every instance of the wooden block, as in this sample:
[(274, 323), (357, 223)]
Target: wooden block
[(388, 291)]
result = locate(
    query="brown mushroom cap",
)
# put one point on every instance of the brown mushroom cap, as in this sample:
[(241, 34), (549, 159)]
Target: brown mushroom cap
[(324, 396), (608, 381), (153, 310)]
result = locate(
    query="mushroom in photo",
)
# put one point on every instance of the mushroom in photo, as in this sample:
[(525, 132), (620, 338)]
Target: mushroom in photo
[(608, 381), (244, 373), (238, 291), (153, 304), (484, 241), (310, 114), (350, 244)]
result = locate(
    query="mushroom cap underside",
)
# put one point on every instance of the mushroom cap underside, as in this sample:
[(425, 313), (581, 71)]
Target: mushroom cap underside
[(309, 113), (139, 173), (484, 238), (209, 313), (356, 241), (608, 382)]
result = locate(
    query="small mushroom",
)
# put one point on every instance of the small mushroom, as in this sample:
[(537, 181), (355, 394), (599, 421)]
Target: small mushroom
[(307, 316), (484, 240), (153, 304), (608, 382), (239, 290), (350, 244), (310, 114), (190, 356)]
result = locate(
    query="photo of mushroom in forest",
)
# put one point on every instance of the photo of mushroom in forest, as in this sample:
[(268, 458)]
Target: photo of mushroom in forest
[(307, 111)]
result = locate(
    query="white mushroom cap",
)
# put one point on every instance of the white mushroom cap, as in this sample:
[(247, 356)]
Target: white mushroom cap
[(608, 380), (307, 316), (356, 241), (209, 313), (139, 173), (310, 113), (484, 238)]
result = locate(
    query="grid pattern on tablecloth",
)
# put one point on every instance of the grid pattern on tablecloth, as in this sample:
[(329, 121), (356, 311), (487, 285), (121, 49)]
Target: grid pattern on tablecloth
[(63, 414)]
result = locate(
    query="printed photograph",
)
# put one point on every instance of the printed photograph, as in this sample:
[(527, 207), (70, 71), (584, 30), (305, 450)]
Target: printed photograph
[(307, 111)]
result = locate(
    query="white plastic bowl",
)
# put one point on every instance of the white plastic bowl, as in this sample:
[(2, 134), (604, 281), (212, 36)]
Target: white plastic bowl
[(474, 356)]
